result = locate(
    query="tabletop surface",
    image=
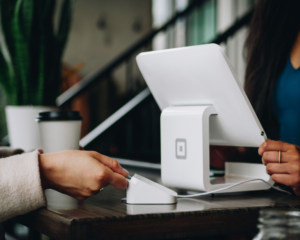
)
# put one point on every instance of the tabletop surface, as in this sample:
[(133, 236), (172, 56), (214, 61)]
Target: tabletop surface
[(104, 216)]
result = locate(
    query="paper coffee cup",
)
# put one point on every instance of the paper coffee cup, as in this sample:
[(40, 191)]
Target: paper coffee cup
[(59, 130)]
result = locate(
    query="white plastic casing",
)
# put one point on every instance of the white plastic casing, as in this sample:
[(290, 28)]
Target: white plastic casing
[(187, 125), (202, 103), (185, 154), (141, 190), (202, 75)]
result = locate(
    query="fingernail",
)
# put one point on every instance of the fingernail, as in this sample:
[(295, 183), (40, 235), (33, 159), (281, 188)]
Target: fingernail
[(125, 171)]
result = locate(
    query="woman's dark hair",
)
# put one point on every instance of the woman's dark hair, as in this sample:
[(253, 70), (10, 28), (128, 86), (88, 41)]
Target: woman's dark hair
[(273, 30)]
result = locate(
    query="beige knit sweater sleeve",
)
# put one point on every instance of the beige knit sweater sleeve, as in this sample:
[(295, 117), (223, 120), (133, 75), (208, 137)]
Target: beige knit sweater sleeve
[(20, 184)]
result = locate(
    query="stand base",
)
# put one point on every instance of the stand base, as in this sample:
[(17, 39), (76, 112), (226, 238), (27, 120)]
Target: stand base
[(238, 172), (185, 154)]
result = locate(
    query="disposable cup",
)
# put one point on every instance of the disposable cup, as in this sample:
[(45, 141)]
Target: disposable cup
[(59, 130)]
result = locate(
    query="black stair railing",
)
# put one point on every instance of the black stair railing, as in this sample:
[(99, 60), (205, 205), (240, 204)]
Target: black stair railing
[(125, 57), (102, 73)]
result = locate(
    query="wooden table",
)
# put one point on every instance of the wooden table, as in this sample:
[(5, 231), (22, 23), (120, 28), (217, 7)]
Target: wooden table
[(104, 216)]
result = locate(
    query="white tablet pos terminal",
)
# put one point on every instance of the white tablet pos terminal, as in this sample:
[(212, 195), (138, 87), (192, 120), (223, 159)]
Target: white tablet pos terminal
[(202, 103)]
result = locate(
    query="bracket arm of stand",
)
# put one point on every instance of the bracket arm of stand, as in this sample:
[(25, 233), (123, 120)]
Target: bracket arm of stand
[(185, 146)]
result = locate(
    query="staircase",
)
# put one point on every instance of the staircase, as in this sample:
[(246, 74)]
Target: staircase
[(132, 131)]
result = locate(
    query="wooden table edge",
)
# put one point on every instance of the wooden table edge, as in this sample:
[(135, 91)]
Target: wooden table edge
[(60, 226)]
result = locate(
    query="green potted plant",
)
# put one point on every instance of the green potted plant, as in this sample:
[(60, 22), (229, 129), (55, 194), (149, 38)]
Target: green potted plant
[(32, 42)]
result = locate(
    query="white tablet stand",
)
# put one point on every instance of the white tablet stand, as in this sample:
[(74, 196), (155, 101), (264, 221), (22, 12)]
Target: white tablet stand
[(202, 103), (185, 154)]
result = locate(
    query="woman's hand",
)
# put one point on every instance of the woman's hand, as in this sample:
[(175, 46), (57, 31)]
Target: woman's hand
[(288, 171), (80, 174)]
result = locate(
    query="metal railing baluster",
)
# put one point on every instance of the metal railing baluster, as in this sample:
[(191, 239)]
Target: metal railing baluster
[(115, 117)]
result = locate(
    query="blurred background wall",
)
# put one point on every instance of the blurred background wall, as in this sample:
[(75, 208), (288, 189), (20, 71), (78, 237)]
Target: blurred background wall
[(101, 30)]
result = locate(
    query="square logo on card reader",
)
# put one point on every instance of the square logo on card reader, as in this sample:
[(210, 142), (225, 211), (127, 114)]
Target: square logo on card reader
[(180, 147)]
